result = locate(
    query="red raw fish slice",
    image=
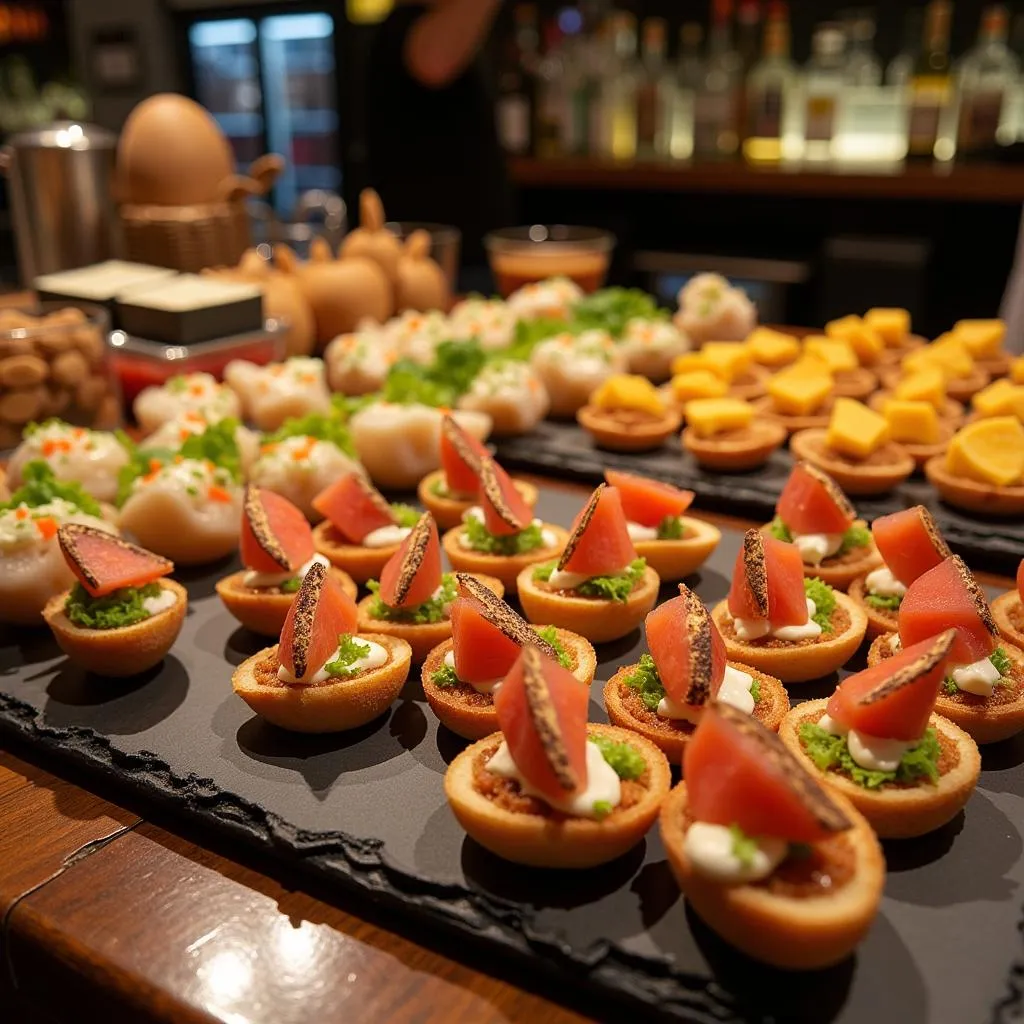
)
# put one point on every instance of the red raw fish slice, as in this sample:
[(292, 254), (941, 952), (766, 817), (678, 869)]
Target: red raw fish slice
[(909, 542), (894, 699), (646, 501), (812, 502), (737, 772), (505, 510), (319, 615), (687, 648), (354, 507), (413, 572), (103, 562), (542, 712), (599, 543), (460, 457), (275, 534), (482, 651), (948, 597), (768, 582)]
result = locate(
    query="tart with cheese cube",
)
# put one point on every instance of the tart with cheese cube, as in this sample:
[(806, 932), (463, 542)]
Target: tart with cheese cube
[(122, 616), (413, 599), (461, 675), (664, 696), (323, 676), (983, 468), (855, 450), (1001, 398), (782, 868), (674, 545), (893, 325), (499, 536), (361, 529), (917, 428), (926, 385), (724, 435), (799, 397), (627, 414), (964, 378), (689, 384), (550, 789), (451, 491), (984, 340), (1008, 611), (774, 619), (599, 587), (878, 742), (816, 517), (849, 378), (734, 363), (277, 551), (865, 341), (771, 348), (983, 687)]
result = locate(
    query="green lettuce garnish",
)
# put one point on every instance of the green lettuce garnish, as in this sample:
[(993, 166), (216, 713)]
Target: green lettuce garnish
[(824, 599), (780, 531), (888, 603), (433, 610), (406, 515), (744, 847), (671, 528), (350, 650), (529, 334), (550, 634), (40, 486), (439, 488), (755, 688), (854, 537), (481, 539), (216, 444), (646, 682), (292, 586), (324, 426), (1003, 665), (611, 309), (608, 588), (121, 608), (445, 676), (601, 809), (440, 383), (626, 761), (920, 762)]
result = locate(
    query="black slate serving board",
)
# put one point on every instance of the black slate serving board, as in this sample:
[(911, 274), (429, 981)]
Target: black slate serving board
[(567, 450), (366, 809)]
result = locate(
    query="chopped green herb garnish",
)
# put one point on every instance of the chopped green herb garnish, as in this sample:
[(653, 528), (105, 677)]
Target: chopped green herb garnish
[(611, 309), (949, 688), (321, 425), (445, 676), (644, 679), (439, 488), (292, 586), (824, 599), (780, 531), (216, 444), (744, 847), (481, 539), (40, 486), (121, 608), (433, 610), (626, 761), (440, 383), (854, 537), (617, 587), (550, 634), (671, 528), (530, 333), (350, 651), (755, 688), (884, 602), (602, 808), (406, 515), (827, 752)]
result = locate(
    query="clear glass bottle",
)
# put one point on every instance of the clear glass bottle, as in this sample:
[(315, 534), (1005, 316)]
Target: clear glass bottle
[(901, 67), (823, 83), (770, 87), (931, 88), (516, 80), (862, 64), (715, 130), (580, 94), (624, 83), (689, 77), (988, 76), (549, 108), (654, 91)]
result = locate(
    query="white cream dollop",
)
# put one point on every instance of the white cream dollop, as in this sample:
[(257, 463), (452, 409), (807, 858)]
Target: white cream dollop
[(637, 531), (815, 547), (875, 753), (161, 602), (257, 580), (603, 785), (754, 629), (882, 583), (735, 690), (386, 536), (375, 657), (488, 686), (709, 849), (895, 643), (980, 677)]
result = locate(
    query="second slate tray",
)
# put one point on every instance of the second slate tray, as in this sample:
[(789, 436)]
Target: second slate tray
[(568, 451), (365, 810)]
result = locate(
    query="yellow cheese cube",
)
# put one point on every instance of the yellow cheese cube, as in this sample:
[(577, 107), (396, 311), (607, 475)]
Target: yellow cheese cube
[(892, 324), (710, 416), (798, 394), (689, 362), (856, 430), (927, 384), (698, 384), (836, 354), (949, 354), (863, 339), (983, 338), (913, 422), (809, 366), (726, 358), (990, 451), (996, 399), (1017, 370), (772, 348), (628, 391)]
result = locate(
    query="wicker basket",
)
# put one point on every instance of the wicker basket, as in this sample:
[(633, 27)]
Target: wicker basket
[(186, 238)]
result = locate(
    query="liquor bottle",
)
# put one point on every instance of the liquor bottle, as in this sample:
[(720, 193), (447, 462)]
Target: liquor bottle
[(622, 93), (823, 83), (988, 76), (931, 87), (769, 92), (549, 108), (580, 94), (653, 97), (862, 64), (689, 76), (901, 67), (516, 82), (715, 129)]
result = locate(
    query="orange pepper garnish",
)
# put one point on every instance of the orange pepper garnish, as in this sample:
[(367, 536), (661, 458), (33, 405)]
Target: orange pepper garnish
[(154, 466), (21, 513), (198, 390), (216, 493), (47, 527), (78, 432), (184, 434)]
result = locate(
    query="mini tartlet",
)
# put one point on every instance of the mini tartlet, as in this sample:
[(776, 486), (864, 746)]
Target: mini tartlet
[(598, 587), (723, 434), (277, 551), (322, 676), (451, 491), (551, 790), (782, 868), (122, 617), (461, 675), (877, 741), (674, 546), (361, 530), (413, 599), (1008, 611), (815, 515), (664, 696), (627, 414), (820, 628), (916, 389)]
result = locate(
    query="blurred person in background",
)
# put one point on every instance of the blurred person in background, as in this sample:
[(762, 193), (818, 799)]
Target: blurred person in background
[(434, 153)]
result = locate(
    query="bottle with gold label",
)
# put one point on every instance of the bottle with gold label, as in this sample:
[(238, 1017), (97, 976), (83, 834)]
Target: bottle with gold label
[(770, 87), (931, 87), (823, 83)]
